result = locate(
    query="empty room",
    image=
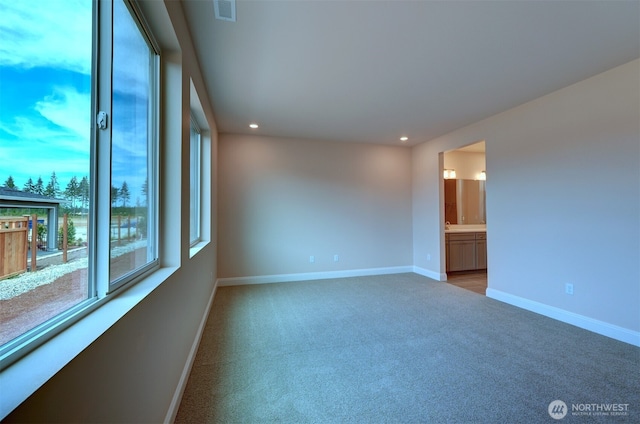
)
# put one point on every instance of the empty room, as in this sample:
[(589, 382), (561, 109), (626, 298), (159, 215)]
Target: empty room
[(320, 211)]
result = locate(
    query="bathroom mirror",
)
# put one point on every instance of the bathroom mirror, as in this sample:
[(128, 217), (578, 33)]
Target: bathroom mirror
[(464, 202)]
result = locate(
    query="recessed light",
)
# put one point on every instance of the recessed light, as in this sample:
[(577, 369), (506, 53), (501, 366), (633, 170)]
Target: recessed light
[(404, 138), (254, 126)]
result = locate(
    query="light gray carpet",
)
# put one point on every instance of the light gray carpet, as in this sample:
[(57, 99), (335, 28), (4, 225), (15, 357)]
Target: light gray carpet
[(396, 348)]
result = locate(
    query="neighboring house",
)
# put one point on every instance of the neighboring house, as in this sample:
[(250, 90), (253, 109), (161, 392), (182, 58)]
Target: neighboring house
[(14, 198)]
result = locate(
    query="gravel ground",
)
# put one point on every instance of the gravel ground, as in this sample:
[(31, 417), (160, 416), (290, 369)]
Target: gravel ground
[(27, 281)]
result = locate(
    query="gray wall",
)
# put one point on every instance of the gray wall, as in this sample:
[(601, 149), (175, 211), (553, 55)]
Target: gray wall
[(563, 199), (283, 200)]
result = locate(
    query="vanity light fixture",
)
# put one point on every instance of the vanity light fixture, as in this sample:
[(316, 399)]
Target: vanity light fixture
[(253, 126), (449, 174), (482, 176)]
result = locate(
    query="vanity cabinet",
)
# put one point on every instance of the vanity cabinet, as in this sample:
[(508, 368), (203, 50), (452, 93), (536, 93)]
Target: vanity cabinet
[(466, 251), (481, 250)]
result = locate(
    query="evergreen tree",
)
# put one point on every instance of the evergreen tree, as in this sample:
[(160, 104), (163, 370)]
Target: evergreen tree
[(71, 234), (39, 187), (29, 187), (115, 195), (72, 192), (83, 190), (124, 194), (10, 183), (53, 187), (145, 191)]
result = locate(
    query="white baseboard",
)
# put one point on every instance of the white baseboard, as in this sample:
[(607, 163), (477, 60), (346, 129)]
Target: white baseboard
[(615, 332), (438, 276), (284, 278), (170, 417)]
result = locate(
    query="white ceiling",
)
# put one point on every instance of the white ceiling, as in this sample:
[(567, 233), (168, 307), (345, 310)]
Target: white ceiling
[(372, 71)]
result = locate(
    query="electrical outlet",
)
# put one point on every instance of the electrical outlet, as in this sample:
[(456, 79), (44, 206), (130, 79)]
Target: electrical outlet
[(312, 259), (568, 288), (335, 258), (428, 256)]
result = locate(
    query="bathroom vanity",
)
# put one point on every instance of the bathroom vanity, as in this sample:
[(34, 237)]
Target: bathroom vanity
[(466, 247)]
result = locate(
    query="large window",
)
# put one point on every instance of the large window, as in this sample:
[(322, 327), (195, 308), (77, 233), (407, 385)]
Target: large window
[(133, 148), (195, 184), (79, 155)]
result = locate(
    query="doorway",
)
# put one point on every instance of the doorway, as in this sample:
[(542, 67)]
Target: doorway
[(464, 211)]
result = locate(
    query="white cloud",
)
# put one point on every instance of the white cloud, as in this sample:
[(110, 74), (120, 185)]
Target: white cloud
[(39, 137), (68, 109), (47, 33), (36, 147)]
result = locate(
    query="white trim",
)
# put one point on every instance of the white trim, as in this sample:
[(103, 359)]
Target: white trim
[(600, 327), (193, 250), (186, 371), (438, 276), (283, 278)]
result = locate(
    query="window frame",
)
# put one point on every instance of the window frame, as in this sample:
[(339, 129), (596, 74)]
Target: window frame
[(105, 139), (195, 176), (100, 290), (206, 176)]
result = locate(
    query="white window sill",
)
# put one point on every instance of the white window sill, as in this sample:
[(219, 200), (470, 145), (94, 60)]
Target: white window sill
[(193, 251), (25, 376)]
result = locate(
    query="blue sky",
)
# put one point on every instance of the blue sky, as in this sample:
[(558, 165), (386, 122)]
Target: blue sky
[(45, 93)]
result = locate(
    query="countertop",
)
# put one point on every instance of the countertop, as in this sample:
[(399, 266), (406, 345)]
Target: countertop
[(473, 228)]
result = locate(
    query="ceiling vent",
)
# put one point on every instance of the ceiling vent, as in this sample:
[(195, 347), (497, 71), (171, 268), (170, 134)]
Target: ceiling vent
[(225, 10)]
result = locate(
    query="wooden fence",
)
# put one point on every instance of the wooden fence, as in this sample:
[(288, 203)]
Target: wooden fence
[(13, 246)]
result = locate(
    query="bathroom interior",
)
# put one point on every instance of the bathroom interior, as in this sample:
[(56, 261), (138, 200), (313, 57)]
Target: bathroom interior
[(464, 209)]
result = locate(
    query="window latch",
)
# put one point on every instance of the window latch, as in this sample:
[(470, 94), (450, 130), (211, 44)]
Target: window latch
[(101, 120)]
